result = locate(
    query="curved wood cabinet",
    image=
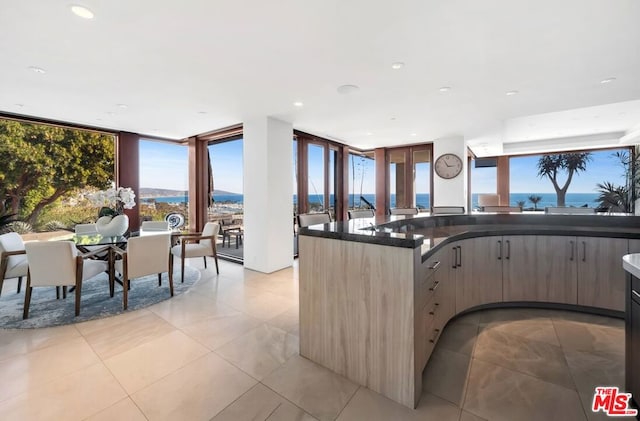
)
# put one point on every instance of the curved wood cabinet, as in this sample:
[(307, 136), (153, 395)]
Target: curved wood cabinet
[(374, 312)]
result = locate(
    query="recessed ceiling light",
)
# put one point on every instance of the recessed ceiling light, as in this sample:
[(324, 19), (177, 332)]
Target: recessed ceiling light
[(397, 65), (445, 89), (348, 89), (369, 133), (393, 118), (414, 134), (81, 11), (19, 105), (298, 104), (37, 69), (609, 80), (202, 112), (511, 93), (123, 106), (110, 113)]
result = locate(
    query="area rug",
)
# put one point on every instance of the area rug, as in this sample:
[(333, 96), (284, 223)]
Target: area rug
[(46, 311)]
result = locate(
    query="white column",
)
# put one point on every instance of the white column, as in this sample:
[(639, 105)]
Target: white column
[(268, 194), (451, 192)]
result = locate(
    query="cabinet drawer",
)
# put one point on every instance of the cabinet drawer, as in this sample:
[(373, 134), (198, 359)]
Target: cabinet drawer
[(428, 282)]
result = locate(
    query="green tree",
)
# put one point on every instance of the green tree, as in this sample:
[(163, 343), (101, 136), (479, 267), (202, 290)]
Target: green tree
[(41, 163), (551, 166), (535, 200)]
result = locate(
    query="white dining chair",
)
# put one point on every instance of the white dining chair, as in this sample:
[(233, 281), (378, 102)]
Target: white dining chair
[(201, 245), (145, 255), (13, 258), (58, 263)]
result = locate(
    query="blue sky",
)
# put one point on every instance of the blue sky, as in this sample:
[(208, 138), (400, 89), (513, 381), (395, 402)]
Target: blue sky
[(164, 165)]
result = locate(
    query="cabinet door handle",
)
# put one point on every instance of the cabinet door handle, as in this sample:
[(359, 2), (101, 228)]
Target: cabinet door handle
[(434, 286), (572, 251), (436, 332), (455, 257), (433, 310), (499, 249), (435, 265), (636, 293), (584, 251), (508, 250), (459, 256)]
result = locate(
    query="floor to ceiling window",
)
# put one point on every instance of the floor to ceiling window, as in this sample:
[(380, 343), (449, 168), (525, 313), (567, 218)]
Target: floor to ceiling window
[(164, 180), (47, 173), (362, 180), (228, 206), (483, 174), (409, 174)]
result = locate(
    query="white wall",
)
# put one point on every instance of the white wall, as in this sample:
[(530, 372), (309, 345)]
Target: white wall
[(268, 194), (451, 192)]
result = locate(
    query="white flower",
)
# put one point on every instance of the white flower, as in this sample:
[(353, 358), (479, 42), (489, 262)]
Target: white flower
[(112, 196)]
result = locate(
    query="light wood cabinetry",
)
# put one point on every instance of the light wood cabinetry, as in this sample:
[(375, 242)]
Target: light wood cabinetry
[(540, 268), (477, 271), (601, 277)]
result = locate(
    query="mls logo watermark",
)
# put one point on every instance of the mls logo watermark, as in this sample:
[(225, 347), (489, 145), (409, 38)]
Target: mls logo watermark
[(613, 402)]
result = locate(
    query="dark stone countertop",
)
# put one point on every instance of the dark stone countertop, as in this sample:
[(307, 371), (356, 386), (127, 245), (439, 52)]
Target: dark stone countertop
[(430, 233)]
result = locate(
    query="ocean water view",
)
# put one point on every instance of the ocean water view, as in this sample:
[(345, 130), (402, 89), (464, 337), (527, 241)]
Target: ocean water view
[(423, 200)]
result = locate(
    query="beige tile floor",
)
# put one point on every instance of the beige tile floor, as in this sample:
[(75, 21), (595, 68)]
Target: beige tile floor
[(228, 350)]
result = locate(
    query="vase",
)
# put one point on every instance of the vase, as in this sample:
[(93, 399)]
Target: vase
[(115, 226)]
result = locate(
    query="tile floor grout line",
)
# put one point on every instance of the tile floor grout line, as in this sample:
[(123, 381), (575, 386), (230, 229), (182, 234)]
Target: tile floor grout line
[(350, 399), (285, 398), (235, 400)]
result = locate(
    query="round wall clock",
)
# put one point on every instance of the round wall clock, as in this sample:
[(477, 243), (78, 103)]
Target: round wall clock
[(448, 165)]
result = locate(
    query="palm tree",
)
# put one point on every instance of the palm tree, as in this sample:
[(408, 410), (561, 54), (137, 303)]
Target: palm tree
[(521, 203), (551, 165), (614, 198), (535, 199)]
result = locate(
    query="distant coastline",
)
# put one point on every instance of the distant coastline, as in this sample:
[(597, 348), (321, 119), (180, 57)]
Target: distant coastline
[(423, 200)]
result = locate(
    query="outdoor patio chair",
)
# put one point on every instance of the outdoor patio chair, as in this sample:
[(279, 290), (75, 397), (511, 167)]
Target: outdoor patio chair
[(202, 245), (13, 258), (361, 213), (145, 255), (58, 263)]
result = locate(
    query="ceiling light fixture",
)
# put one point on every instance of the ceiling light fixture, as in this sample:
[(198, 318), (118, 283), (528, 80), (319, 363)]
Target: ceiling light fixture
[(19, 105), (609, 80), (81, 11), (37, 69), (445, 89), (298, 104), (511, 93), (202, 112), (348, 89), (369, 133), (123, 106), (414, 134), (397, 65)]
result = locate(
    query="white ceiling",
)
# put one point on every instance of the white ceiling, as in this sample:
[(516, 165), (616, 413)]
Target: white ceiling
[(187, 67)]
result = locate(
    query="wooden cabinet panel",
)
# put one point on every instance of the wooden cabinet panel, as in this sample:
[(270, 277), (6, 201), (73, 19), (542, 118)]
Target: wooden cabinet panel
[(478, 273), (601, 278), (540, 268)]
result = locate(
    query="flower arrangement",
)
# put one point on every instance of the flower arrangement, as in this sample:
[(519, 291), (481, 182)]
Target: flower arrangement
[(113, 201)]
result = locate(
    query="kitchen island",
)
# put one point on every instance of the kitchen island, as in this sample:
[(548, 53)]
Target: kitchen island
[(376, 294)]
